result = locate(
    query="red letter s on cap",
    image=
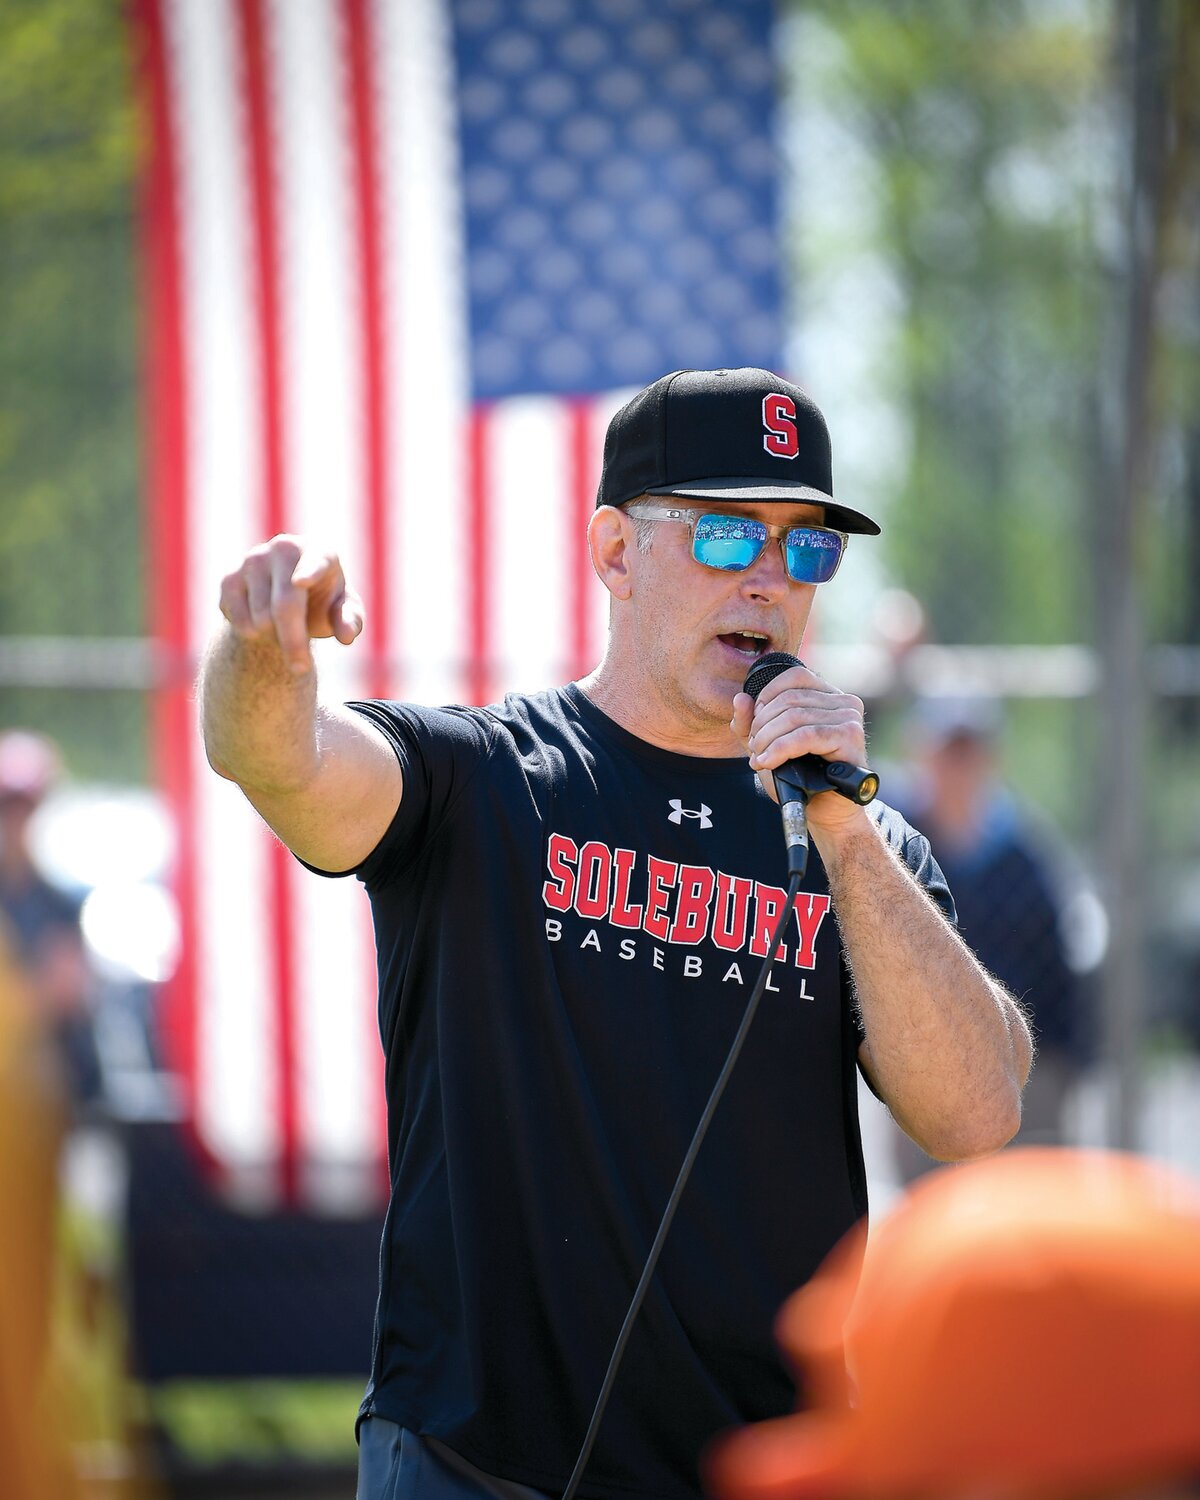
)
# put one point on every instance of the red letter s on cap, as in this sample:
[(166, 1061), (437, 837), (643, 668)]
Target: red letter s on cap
[(779, 418)]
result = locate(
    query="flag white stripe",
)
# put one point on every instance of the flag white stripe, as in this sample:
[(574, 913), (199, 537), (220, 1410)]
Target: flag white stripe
[(426, 340), (238, 1053), (339, 1125), (323, 365), (527, 521)]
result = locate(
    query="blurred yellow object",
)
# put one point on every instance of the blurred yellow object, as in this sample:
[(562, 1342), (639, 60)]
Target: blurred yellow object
[(34, 1459)]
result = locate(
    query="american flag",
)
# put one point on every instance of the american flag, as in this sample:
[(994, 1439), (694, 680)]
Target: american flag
[(401, 261)]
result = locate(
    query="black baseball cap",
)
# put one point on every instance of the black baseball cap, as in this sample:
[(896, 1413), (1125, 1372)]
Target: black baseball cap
[(723, 435)]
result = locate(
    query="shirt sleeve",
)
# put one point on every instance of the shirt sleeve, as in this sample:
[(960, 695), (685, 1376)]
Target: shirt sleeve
[(439, 750), (913, 848)]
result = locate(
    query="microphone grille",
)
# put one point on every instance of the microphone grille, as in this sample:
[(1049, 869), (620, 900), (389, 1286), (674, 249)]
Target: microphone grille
[(766, 669)]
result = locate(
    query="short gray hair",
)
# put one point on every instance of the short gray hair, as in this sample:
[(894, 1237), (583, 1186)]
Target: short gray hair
[(643, 529)]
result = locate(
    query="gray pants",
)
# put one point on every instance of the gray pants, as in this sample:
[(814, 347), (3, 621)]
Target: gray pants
[(395, 1464)]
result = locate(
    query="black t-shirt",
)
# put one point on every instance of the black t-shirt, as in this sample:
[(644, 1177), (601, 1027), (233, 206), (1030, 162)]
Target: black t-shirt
[(569, 922)]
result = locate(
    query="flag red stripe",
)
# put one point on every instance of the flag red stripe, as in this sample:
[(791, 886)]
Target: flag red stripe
[(165, 510), (478, 582), (380, 639), (267, 284), (578, 561), (266, 278), (365, 143), (379, 437)]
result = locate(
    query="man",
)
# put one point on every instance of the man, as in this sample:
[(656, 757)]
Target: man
[(573, 892), (1026, 1327)]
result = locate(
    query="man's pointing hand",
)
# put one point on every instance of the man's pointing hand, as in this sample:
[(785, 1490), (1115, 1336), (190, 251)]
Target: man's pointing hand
[(289, 592)]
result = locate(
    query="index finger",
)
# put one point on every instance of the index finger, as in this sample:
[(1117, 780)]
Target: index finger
[(289, 610), (312, 567)]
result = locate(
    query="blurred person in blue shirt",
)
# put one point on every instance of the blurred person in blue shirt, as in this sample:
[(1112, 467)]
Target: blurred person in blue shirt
[(43, 919), (1016, 893)]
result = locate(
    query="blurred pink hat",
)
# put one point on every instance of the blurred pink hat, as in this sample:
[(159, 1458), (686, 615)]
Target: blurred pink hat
[(29, 764)]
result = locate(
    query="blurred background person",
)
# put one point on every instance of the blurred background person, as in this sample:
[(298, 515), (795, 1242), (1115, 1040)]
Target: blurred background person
[(1026, 1326), (43, 918), (1015, 889)]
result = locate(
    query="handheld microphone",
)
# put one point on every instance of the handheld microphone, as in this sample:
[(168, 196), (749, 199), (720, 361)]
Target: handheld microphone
[(799, 779)]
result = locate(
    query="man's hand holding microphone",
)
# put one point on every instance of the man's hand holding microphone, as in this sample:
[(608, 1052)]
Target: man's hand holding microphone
[(807, 741)]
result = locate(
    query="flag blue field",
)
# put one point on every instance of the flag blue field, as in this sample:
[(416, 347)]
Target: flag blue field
[(619, 191)]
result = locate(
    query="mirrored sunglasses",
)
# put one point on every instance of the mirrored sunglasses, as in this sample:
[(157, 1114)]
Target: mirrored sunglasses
[(811, 554)]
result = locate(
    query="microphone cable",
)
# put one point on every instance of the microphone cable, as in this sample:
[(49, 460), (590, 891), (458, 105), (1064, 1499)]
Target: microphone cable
[(685, 1171)]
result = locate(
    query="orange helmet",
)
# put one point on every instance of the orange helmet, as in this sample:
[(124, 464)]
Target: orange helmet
[(1025, 1326)]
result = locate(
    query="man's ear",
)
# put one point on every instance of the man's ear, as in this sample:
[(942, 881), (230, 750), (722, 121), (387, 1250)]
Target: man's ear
[(611, 541)]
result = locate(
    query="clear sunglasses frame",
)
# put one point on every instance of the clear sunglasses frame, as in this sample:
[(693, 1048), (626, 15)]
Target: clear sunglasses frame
[(643, 511)]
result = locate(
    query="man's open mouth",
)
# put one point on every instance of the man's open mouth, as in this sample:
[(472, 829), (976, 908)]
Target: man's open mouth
[(750, 643)]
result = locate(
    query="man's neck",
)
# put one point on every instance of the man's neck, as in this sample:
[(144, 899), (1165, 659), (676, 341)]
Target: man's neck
[(641, 713)]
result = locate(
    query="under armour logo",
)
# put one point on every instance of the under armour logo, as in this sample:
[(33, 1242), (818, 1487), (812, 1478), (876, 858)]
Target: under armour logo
[(680, 812)]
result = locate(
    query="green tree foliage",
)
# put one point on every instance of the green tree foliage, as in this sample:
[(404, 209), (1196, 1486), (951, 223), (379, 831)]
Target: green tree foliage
[(992, 139), (1176, 391), (1022, 177), (70, 530)]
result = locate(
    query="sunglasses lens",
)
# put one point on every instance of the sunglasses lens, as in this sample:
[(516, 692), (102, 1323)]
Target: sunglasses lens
[(727, 542), (813, 554)]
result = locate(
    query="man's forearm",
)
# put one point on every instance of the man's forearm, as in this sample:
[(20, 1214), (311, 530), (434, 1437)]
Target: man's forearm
[(947, 1047), (259, 718)]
